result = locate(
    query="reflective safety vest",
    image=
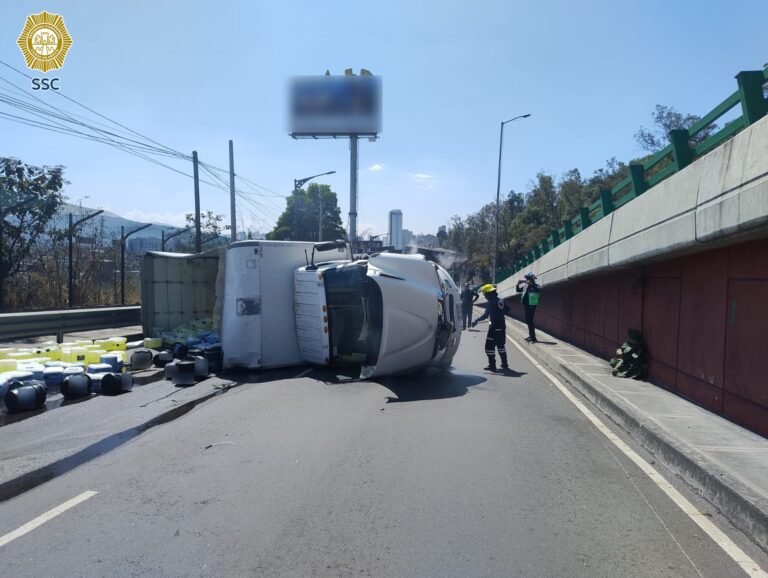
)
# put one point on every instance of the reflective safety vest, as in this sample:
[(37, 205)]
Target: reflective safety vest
[(533, 293)]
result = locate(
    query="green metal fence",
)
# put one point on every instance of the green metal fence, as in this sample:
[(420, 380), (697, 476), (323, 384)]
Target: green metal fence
[(678, 154)]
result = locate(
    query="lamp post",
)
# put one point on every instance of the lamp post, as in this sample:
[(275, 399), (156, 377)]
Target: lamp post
[(498, 191), (123, 237), (164, 239), (297, 184), (70, 271)]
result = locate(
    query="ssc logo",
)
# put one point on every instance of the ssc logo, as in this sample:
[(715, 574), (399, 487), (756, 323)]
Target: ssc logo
[(44, 41)]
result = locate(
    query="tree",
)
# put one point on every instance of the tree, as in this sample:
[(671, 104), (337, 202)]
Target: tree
[(301, 219), (666, 119), (442, 235), (211, 230), (23, 225)]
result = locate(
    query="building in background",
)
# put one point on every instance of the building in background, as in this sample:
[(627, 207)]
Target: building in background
[(396, 229), (141, 244), (407, 237)]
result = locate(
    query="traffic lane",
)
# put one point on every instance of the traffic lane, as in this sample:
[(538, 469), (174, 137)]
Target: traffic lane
[(302, 478)]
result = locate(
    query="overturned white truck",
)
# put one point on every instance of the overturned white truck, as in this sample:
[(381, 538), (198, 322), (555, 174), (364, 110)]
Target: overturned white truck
[(282, 303)]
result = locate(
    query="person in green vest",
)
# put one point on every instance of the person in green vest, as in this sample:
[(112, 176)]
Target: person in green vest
[(530, 293)]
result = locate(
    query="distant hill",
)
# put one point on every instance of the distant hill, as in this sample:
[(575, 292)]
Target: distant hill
[(112, 222)]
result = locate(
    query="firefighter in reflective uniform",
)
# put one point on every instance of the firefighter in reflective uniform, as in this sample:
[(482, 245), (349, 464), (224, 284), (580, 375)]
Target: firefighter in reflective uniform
[(530, 292), (495, 309)]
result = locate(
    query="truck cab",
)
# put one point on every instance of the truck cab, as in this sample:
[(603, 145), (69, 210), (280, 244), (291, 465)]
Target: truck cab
[(388, 314)]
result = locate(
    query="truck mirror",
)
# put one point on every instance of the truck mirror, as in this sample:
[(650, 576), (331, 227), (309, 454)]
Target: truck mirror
[(329, 245), (326, 246)]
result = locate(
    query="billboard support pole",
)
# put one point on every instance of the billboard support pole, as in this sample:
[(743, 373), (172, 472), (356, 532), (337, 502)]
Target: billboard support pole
[(353, 191), (232, 205)]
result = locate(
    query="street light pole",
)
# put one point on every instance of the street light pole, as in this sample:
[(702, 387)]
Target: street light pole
[(123, 237), (297, 184), (164, 239), (70, 272), (498, 191)]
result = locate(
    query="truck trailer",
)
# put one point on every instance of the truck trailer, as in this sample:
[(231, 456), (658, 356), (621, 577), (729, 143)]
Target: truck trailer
[(287, 303)]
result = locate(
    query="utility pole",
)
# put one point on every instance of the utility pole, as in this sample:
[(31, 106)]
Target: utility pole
[(123, 237), (70, 270), (353, 191), (320, 230), (232, 208), (198, 231)]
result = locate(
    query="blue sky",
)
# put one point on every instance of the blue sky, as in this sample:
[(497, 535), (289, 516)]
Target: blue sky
[(193, 75)]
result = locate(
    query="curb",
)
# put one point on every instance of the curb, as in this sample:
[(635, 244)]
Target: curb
[(734, 499), (29, 480)]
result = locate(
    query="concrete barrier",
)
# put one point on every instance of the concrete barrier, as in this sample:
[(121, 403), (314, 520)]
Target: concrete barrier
[(720, 198)]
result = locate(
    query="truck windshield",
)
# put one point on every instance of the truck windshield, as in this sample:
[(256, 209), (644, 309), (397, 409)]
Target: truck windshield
[(355, 314)]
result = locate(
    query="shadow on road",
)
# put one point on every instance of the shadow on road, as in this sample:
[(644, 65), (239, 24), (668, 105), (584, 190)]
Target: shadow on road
[(428, 384)]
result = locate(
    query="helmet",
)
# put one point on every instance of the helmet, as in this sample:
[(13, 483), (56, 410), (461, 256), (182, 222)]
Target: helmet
[(530, 276), (488, 288)]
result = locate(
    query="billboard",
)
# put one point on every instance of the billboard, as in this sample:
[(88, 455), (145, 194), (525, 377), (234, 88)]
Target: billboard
[(335, 105)]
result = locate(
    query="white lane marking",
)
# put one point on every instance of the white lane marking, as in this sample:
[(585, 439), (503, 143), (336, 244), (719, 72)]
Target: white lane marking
[(303, 373), (43, 518), (736, 554)]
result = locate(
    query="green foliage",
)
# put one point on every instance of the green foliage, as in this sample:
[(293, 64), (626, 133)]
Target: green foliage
[(527, 218), (23, 226), (666, 119), (631, 357), (301, 219), (211, 229)]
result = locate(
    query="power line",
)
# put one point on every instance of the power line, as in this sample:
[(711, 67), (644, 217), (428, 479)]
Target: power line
[(56, 122)]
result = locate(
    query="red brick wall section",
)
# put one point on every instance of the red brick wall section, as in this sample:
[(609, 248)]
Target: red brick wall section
[(703, 316)]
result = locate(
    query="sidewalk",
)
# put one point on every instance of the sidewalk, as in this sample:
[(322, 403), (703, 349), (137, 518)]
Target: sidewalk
[(723, 462)]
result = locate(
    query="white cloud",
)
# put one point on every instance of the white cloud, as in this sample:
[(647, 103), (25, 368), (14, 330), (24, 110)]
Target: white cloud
[(422, 176), (376, 168)]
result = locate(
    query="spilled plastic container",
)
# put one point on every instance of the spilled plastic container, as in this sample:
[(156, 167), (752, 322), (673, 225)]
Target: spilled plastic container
[(36, 369), (185, 373), (111, 383), (53, 376), (215, 358), (8, 365), (163, 358), (94, 356), (76, 386), (141, 359), (52, 351), (153, 342), (99, 368), (114, 343), (73, 370), (21, 355), (170, 370), (126, 382), (74, 354), (114, 360), (201, 367), (9, 377), (180, 350), (25, 396)]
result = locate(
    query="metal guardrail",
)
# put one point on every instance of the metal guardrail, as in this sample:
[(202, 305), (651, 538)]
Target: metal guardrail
[(37, 323), (674, 157)]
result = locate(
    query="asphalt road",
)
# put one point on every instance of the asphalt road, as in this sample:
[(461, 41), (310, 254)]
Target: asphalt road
[(461, 474)]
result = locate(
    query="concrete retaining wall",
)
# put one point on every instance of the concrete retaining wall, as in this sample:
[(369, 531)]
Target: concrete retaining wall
[(719, 199)]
